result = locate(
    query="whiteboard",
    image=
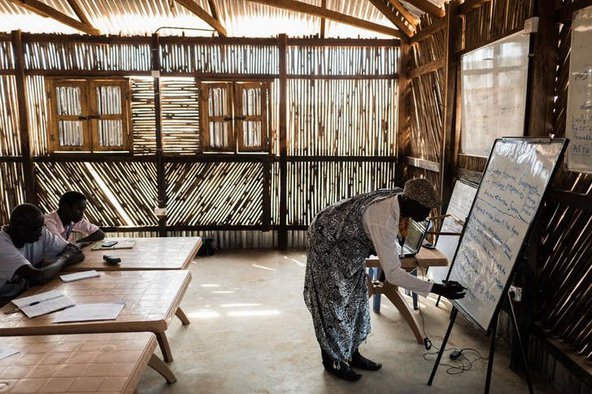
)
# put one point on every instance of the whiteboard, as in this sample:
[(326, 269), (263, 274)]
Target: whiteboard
[(508, 198), (459, 206), (579, 95), (493, 91)]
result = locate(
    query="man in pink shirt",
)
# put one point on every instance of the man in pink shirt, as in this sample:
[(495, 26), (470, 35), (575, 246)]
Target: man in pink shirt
[(69, 218)]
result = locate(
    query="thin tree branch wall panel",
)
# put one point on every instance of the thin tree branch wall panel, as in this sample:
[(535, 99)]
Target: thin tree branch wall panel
[(10, 141), (73, 82), (122, 194), (238, 201)]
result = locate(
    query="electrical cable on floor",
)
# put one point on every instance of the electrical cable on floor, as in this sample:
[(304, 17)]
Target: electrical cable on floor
[(457, 355)]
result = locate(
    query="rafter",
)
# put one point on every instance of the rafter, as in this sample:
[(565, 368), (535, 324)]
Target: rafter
[(323, 21), (429, 7), (49, 12), (391, 16), (202, 14), (409, 17), (320, 12), (213, 10), (79, 12)]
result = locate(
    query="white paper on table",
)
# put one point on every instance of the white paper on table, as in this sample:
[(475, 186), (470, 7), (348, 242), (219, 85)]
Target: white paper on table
[(43, 303), (79, 276), (90, 312), (7, 352)]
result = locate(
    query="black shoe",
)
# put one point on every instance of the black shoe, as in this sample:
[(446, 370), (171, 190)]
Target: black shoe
[(342, 371), (359, 361)]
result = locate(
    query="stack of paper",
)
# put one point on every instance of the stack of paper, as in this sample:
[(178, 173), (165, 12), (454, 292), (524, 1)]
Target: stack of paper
[(79, 276), (43, 303), (89, 312)]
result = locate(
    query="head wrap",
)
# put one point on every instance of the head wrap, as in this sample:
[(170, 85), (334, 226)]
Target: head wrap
[(422, 191)]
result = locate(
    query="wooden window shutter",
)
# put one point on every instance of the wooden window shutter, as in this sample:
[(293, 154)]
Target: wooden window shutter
[(216, 117)]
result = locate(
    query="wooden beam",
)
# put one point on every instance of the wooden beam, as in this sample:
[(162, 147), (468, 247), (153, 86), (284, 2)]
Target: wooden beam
[(23, 118), (429, 7), (427, 68), (409, 17), (213, 10), (468, 5), (391, 16), (423, 164), (160, 166), (79, 12), (429, 31), (320, 12), (283, 140), (46, 11), (203, 15), (323, 20)]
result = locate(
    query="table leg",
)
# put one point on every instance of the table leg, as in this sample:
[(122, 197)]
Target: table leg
[(159, 366), (182, 316), (414, 294), (165, 348), (392, 293)]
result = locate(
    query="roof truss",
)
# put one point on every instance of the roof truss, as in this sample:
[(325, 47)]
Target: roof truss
[(48, 12), (428, 6), (320, 12), (202, 14), (387, 11)]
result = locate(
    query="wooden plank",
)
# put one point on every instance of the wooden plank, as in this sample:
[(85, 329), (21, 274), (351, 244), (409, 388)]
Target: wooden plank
[(79, 12), (46, 11), (449, 141), (423, 164), (23, 113), (203, 15), (403, 124), (469, 5), (391, 16), (344, 42), (429, 7), (541, 73), (342, 159), (283, 110), (325, 77), (470, 175), (298, 6), (323, 20), (427, 68), (574, 200), (429, 31), (408, 16), (160, 170)]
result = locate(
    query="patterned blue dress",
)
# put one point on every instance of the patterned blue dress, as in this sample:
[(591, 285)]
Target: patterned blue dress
[(335, 287)]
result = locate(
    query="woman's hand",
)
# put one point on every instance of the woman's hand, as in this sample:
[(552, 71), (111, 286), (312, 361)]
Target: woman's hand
[(449, 289)]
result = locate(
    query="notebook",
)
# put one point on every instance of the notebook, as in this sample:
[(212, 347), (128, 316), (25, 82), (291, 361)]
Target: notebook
[(415, 236)]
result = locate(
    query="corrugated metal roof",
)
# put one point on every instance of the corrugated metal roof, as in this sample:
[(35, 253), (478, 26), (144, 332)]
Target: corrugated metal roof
[(241, 18)]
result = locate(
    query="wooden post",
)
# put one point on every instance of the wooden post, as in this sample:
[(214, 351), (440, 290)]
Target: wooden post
[(403, 134), (449, 138), (283, 65), (23, 111), (541, 74), (160, 170), (266, 193)]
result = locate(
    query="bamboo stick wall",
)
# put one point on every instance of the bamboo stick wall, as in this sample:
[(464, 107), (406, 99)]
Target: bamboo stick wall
[(122, 187), (561, 246)]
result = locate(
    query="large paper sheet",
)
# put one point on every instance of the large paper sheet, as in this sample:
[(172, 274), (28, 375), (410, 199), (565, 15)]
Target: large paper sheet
[(90, 312)]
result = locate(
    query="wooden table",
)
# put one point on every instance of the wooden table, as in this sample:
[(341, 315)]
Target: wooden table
[(98, 363), (424, 259), (151, 300), (166, 253)]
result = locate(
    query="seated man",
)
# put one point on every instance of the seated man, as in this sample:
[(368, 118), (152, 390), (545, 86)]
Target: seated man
[(24, 244), (69, 218)]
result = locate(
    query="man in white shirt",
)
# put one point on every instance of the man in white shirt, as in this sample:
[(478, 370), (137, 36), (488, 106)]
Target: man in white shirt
[(340, 238), (69, 218), (24, 245)]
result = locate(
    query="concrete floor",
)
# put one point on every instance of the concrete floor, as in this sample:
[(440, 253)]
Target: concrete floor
[(250, 332)]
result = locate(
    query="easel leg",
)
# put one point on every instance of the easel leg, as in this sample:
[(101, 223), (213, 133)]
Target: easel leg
[(517, 333), (443, 346), (491, 353)]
